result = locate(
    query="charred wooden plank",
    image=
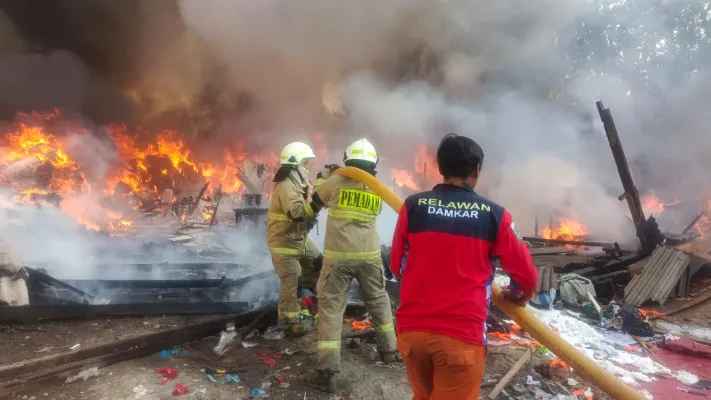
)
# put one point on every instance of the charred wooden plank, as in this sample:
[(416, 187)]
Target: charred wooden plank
[(567, 242), (631, 194), (71, 311), (693, 222)]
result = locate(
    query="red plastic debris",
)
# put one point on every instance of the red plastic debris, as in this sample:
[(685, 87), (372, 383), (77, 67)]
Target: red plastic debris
[(582, 393), (269, 359), (167, 373), (180, 389), (280, 378)]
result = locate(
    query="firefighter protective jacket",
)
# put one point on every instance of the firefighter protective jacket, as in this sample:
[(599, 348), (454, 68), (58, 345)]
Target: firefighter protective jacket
[(287, 216), (445, 247), (352, 208)]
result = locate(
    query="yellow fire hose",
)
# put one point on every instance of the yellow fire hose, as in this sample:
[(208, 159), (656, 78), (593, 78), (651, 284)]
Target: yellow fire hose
[(586, 367)]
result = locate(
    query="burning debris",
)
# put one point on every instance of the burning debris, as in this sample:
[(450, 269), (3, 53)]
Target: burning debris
[(41, 161)]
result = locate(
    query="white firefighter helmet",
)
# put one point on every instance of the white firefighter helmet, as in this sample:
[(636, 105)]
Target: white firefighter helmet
[(294, 153), (361, 149)]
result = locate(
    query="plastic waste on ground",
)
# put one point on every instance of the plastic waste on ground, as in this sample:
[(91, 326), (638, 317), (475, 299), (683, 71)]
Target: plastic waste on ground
[(84, 375), (273, 333), (167, 373), (224, 343), (180, 389), (165, 353)]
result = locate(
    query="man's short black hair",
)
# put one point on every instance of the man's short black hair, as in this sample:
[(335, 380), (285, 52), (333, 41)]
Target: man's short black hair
[(459, 156)]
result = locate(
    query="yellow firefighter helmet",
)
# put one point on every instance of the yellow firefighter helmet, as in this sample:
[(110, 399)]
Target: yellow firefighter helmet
[(294, 153), (361, 149)]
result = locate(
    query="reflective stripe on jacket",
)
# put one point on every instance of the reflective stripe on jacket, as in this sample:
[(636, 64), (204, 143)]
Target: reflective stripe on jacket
[(351, 233), (287, 215)]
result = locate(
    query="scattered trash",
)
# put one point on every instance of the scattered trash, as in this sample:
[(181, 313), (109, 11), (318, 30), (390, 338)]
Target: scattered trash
[(587, 393), (543, 299), (167, 373), (221, 376), (248, 345), (289, 352), (165, 353), (230, 327), (571, 382), (76, 346), (531, 381), (258, 392), (559, 369), (84, 375), (273, 333), (269, 359), (223, 344), (574, 289), (140, 391), (633, 322), (180, 389), (686, 378)]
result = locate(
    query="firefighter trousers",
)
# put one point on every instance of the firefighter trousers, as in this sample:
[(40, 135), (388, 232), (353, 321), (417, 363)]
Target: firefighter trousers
[(290, 269), (335, 280)]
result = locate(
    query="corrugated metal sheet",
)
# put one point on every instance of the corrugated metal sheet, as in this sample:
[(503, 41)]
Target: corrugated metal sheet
[(660, 277), (547, 279)]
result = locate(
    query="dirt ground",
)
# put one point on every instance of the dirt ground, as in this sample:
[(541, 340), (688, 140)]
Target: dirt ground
[(699, 314), (361, 378), (31, 340)]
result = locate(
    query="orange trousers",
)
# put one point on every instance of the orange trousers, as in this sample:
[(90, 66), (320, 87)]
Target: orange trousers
[(440, 367)]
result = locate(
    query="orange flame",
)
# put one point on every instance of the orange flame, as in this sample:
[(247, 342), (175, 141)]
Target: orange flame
[(651, 204), (362, 325), (145, 168), (426, 171), (568, 229), (404, 179)]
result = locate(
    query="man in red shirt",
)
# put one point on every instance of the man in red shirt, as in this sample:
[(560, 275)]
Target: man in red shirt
[(444, 249)]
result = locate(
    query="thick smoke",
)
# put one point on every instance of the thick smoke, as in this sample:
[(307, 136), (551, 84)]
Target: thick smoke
[(520, 78)]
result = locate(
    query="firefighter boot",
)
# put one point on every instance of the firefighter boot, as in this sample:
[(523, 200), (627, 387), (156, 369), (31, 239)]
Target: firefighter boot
[(324, 381)]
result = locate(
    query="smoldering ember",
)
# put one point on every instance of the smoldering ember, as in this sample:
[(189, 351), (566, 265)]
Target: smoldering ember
[(140, 141)]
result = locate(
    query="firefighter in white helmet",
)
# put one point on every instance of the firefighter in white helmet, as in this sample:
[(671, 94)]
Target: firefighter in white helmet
[(351, 251), (296, 259)]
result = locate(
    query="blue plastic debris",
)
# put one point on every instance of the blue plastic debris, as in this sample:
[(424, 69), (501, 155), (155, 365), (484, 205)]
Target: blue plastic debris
[(165, 353)]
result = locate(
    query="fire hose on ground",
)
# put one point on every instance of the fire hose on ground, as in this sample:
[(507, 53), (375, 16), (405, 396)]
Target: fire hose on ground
[(586, 367)]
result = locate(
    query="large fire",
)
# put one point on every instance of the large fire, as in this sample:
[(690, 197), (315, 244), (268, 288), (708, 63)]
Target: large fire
[(36, 161), (426, 172), (567, 229)]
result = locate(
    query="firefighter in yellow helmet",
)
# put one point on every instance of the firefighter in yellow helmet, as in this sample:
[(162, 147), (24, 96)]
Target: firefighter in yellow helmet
[(296, 259), (351, 251)]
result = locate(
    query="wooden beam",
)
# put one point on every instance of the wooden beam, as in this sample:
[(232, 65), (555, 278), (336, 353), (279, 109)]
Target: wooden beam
[(509, 375)]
